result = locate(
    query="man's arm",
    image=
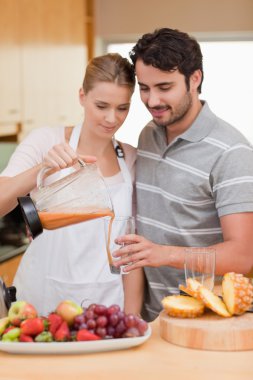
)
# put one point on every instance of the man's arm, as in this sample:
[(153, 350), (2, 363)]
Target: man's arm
[(234, 254)]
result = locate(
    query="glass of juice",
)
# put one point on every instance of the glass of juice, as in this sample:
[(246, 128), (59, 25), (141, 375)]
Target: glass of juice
[(115, 227)]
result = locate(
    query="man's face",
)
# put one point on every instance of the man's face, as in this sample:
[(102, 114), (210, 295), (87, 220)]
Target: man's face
[(164, 93)]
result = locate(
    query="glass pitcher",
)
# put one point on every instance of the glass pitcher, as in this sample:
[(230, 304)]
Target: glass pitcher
[(79, 196)]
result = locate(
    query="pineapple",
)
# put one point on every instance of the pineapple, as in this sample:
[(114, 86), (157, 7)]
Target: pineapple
[(193, 286), (183, 306), (186, 290), (237, 293), (213, 302)]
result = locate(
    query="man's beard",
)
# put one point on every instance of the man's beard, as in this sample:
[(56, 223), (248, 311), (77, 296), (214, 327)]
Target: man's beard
[(179, 112)]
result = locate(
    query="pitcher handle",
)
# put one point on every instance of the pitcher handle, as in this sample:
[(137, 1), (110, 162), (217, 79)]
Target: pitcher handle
[(42, 172)]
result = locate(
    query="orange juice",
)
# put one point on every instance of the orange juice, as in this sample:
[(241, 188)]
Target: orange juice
[(53, 220)]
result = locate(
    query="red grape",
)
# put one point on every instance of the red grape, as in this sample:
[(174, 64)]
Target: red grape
[(142, 326), (131, 332), (120, 329), (130, 320), (102, 321), (113, 309), (100, 309), (89, 314), (109, 322), (79, 319), (101, 331), (113, 319), (91, 324), (110, 331)]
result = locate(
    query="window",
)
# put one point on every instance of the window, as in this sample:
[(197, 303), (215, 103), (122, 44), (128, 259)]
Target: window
[(227, 86)]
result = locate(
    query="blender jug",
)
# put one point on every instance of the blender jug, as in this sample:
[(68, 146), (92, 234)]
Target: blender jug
[(79, 196)]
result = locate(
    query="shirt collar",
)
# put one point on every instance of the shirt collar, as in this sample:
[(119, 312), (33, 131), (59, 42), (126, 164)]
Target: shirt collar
[(201, 126)]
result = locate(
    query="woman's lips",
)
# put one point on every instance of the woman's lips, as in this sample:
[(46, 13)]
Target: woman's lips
[(108, 129)]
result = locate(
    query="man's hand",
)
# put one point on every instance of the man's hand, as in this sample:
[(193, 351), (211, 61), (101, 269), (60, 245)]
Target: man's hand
[(137, 252)]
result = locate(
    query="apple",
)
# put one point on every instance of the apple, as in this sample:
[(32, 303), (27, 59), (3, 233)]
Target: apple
[(21, 310), (4, 323), (68, 310), (12, 335)]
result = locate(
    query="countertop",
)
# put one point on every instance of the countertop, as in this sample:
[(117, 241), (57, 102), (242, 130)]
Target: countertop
[(156, 359)]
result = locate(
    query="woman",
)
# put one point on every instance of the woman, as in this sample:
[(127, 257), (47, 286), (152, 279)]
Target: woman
[(71, 262)]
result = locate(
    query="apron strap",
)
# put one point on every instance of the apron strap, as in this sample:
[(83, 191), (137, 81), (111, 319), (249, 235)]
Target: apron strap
[(75, 135), (122, 163)]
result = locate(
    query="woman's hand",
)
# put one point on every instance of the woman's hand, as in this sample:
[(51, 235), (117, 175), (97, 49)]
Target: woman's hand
[(62, 156), (137, 252)]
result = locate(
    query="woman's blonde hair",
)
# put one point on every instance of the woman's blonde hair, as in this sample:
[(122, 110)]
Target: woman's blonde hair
[(111, 68)]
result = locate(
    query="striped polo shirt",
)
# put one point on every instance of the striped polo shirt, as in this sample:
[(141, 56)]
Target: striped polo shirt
[(185, 187)]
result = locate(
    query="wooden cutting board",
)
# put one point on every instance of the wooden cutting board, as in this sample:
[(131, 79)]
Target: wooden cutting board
[(209, 332)]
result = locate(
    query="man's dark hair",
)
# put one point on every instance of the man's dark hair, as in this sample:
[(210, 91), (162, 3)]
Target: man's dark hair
[(169, 49)]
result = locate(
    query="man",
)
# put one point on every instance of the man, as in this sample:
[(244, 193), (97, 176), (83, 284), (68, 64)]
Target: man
[(194, 172)]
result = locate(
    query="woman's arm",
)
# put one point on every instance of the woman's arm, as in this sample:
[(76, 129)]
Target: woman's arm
[(13, 187), (133, 291), (60, 156)]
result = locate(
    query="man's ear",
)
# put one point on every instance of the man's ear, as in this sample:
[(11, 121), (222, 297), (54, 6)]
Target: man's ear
[(81, 96), (195, 79)]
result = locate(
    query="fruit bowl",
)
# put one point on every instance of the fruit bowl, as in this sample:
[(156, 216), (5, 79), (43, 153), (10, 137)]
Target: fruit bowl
[(74, 347)]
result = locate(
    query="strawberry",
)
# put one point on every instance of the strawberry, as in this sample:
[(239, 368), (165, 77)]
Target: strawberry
[(55, 321), (32, 326), (84, 334), (62, 333), (25, 338)]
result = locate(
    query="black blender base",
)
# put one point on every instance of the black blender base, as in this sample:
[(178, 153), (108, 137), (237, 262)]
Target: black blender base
[(31, 216)]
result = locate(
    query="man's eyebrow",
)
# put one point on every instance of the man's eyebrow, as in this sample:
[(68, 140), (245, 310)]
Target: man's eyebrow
[(157, 84)]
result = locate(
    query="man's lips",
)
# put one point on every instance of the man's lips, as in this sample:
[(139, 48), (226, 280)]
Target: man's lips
[(158, 112)]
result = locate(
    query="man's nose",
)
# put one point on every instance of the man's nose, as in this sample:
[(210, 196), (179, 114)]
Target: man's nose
[(153, 99)]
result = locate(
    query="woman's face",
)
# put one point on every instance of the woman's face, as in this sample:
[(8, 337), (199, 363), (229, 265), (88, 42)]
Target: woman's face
[(106, 108)]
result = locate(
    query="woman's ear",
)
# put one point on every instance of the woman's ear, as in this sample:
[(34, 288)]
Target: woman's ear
[(81, 97)]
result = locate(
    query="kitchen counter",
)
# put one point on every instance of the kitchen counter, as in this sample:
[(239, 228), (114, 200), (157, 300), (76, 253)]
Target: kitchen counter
[(156, 359)]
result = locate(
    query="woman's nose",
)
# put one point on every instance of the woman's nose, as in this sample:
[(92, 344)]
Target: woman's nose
[(110, 116)]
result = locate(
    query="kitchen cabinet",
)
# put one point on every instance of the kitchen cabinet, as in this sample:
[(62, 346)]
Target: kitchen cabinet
[(42, 61), (8, 269)]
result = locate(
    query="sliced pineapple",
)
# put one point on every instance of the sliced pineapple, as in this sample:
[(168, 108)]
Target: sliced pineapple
[(186, 290), (213, 302), (183, 306), (237, 292), (193, 286)]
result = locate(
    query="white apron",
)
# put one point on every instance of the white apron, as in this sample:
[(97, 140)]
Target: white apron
[(71, 262)]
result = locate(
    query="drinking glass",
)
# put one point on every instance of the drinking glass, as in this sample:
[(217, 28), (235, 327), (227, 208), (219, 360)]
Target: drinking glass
[(199, 264), (119, 226)]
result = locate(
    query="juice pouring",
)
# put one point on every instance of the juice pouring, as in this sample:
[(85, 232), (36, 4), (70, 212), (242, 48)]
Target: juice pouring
[(53, 220), (80, 196)]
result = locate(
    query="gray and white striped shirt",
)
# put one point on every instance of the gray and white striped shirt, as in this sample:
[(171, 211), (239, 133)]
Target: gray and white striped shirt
[(185, 187)]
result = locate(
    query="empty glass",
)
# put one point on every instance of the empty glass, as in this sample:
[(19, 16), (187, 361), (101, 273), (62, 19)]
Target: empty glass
[(114, 228), (200, 265)]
